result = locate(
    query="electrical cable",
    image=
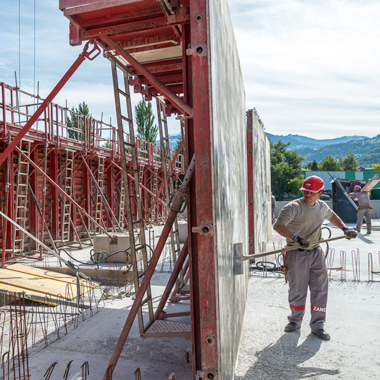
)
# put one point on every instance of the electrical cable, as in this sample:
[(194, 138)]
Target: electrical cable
[(101, 256)]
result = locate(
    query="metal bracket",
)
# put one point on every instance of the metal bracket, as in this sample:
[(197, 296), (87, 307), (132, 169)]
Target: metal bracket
[(198, 50), (205, 229)]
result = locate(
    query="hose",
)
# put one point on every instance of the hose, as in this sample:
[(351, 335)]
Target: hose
[(101, 256)]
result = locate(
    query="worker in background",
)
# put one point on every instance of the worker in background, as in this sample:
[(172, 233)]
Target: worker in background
[(274, 206), (300, 222), (364, 208)]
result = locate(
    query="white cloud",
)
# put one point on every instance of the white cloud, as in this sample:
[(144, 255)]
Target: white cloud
[(311, 67)]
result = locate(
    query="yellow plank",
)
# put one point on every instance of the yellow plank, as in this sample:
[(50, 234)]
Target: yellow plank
[(42, 272), (36, 284)]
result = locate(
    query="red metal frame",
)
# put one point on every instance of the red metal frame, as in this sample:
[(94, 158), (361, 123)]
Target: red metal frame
[(250, 183)]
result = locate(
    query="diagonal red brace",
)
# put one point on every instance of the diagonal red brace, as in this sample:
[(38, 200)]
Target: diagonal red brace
[(89, 54), (173, 278)]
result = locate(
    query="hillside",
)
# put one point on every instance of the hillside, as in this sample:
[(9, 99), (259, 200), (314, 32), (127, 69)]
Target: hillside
[(299, 142), (365, 149)]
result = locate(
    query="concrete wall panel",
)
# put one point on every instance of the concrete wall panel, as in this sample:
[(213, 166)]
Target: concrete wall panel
[(261, 185), (230, 157)]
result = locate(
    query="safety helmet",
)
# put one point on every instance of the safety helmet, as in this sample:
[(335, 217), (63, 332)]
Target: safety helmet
[(313, 184), (357, 188)]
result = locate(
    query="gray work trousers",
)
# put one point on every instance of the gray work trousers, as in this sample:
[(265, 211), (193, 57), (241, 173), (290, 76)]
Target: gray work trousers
[(307, 269), (365, 213)]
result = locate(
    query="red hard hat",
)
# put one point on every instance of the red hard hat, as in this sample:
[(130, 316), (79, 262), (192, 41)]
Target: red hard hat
[(313, 184), (357, 187)]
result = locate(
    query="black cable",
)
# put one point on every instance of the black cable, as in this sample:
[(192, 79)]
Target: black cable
[(327, 244), (101, 256)]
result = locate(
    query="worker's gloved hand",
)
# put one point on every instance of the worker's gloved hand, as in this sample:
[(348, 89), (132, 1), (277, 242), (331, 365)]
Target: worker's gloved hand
[(350, 233), (301, 241)]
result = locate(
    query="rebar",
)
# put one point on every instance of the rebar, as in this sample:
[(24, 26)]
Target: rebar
[(49, 371), (85, 370)]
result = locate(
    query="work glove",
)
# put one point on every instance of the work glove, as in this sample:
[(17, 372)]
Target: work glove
[(350, 233), (301, 241)]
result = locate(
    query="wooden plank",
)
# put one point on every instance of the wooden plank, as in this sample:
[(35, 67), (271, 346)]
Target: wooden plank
[(18, 281), (44, 273), (372, 183)]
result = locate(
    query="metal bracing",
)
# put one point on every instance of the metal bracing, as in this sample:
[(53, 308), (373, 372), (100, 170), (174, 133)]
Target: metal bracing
[(136, 224)]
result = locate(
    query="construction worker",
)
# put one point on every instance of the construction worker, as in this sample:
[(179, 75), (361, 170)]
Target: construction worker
[(300, 222), (364, 208)]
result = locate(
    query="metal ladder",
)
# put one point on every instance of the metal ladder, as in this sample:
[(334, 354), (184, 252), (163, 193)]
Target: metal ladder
[(168, 179), (99, 202), (154, 191), (21, 200), (132, 194), (65, 203), (122, 203)]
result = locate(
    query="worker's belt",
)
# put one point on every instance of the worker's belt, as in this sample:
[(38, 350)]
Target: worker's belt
[(362, 207)]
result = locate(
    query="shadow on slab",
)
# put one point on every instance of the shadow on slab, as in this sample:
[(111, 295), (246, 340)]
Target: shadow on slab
[(282, 360)]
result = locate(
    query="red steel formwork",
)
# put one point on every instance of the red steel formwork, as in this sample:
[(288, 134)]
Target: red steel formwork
[(81, 160), (184, 52)]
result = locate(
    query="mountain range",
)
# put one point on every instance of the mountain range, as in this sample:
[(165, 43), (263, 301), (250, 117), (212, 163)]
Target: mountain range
[(365, 149)]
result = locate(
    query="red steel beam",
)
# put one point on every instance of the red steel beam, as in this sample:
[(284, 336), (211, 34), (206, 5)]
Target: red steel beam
[(250, 183), (173, 278), (85, 54), (153, 80)]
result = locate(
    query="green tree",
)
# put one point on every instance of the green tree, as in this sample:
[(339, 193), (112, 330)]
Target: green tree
[(286, 169), (312, 165), (349, 162), (146, 129), (376, 166), (72, 121), (329, 163)]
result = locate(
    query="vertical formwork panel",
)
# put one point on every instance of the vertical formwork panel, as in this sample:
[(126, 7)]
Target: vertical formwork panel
[(261, 184), (218, 189), (231, 184)]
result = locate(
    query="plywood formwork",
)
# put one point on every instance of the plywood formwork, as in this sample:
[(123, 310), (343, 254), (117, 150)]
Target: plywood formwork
[(185, 53)]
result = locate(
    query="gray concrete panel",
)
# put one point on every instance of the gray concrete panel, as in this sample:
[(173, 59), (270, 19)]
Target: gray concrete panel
[(261, 185), (231, 200)]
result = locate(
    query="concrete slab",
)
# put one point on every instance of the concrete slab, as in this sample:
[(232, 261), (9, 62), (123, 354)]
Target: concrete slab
[(267, 352)]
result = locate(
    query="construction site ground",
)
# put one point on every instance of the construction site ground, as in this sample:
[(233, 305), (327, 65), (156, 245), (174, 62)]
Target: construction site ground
[(266, 351)]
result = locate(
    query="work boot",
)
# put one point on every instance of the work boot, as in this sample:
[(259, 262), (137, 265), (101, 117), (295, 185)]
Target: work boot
[(357, 228), (321, 334), (291, 327)]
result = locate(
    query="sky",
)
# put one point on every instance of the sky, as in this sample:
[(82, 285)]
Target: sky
[(309, 67)]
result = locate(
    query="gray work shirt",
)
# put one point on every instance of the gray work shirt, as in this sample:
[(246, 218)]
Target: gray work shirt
[(362, 197), (303, 220)]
